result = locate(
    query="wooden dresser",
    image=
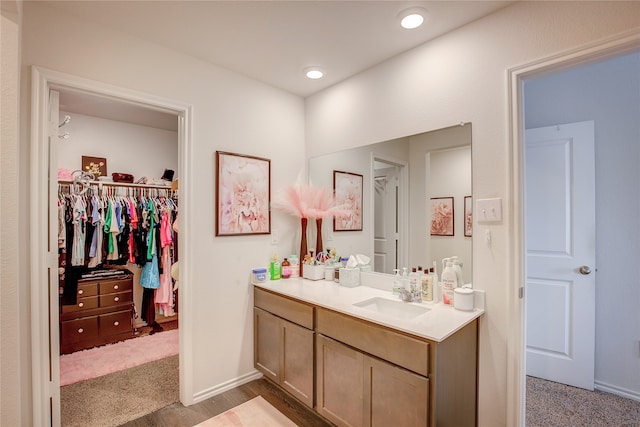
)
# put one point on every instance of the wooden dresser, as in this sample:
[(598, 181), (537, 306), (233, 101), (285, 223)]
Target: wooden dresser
[(102, 314)]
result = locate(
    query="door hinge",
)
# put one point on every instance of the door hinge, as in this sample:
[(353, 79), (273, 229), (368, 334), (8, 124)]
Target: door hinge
[(521, 292)]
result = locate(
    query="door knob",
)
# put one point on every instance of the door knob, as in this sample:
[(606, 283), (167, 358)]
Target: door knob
[(585, 269)]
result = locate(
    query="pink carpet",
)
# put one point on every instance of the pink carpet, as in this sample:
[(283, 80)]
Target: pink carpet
[(257, 412), (98, 361)]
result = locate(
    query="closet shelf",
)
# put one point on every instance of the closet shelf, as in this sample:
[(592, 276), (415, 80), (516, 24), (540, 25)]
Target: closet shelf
[(118, 184)]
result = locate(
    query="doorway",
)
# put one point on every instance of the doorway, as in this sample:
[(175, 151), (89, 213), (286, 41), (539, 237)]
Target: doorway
[(44, 245), (617, 47)]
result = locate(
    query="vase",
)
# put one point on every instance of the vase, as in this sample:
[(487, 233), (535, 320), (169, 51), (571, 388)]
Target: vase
[(319, 235), (303, 242)]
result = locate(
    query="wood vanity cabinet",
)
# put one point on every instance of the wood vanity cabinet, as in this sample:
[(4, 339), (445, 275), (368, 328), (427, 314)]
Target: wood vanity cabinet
[(283, 343), (367, 374), (102, 314)]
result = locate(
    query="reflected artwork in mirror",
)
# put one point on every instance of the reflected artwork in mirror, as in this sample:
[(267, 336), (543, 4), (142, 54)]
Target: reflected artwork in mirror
[(400, 177)]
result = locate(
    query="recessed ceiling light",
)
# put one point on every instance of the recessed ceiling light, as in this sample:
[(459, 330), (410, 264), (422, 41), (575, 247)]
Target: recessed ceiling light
[(412, 18), (314, 73)]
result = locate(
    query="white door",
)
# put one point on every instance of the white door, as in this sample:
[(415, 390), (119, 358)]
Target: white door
[(386, 219), (560, 245)]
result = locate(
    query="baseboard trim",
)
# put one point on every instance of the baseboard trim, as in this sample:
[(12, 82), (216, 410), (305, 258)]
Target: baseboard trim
[(619, 391), (221, 388)]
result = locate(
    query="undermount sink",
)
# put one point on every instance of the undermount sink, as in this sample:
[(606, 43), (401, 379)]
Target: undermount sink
[(398, 309)]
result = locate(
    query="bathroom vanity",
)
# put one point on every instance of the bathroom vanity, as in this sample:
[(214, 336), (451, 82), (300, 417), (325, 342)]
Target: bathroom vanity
[(361, 357)]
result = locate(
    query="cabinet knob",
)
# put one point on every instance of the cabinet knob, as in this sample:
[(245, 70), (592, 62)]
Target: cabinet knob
[(116, 287), (116, 323), (81, 304), (80, 292), (80, 330), (116, 299)]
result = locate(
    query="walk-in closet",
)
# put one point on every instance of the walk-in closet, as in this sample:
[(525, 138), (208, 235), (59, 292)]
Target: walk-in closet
[(118, 254)]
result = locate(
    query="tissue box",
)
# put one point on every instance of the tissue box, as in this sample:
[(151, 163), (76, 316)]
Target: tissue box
[(313, 272), (349, 277)]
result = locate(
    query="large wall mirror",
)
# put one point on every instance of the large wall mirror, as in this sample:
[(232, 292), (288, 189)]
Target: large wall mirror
[(404, 180)]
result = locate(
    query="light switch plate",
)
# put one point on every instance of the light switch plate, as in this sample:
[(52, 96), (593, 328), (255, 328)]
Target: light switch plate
[(489, 210)]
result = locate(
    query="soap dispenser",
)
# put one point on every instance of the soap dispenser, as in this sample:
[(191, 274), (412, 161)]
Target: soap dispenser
[(449, 283), (397, 282), (457, 267)]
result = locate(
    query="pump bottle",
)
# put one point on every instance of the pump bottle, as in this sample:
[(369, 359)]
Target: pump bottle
[(449, 283)]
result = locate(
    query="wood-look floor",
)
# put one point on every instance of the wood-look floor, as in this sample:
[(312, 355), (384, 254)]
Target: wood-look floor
[(177, 415)]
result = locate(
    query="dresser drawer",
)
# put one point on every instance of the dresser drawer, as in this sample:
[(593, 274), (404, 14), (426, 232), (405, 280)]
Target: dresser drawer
[(115, 299), (115, 323), (87, 290), (83, 303), (402, 350), (73, 331), (111, 286)]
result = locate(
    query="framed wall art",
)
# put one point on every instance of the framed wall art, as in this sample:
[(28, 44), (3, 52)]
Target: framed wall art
[(347, 188), (94, 165), (468, 216), (243, 194), (442, 216)]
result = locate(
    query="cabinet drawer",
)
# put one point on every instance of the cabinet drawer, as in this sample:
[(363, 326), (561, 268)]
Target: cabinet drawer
[(111, 286), (115, 323), (74, 331), (402, 350), (84, 303), (87, 290), (115, 299), (293, 311)]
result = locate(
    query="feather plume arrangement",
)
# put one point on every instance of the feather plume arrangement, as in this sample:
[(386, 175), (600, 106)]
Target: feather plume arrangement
[(307, 201)]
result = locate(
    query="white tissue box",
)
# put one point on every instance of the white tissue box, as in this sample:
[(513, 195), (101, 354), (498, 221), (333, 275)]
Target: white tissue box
[(313, 272), (366, 268), (349, 277)]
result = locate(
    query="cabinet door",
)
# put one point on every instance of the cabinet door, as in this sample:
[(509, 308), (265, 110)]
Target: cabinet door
[(339, 382), (297, 361), (394, 396), (267, 342)]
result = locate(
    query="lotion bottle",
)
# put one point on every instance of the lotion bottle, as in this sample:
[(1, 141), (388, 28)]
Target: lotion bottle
[(449, 283), (397, 282)]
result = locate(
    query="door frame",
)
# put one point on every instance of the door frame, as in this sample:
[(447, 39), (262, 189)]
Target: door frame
[(44, 309), (602, 49)]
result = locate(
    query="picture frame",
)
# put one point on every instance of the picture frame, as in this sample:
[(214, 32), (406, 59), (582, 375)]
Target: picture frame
[(468, 216), (243, 194), (348, 190), (442, 216), (94, 165)]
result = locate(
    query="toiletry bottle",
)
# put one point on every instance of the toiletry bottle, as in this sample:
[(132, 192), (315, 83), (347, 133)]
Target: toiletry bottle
[(295, 266), (404, 283), (426, 286), (432, 280), (413, 279), (457, 267), (274, 268), (396, 282), (449, 283), (286, 269)]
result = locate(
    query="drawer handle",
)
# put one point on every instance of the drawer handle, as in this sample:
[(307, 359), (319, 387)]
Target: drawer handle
[(80, 292), (116, 287), (81, 304), (80, 330), (116, 299), (116, 323)]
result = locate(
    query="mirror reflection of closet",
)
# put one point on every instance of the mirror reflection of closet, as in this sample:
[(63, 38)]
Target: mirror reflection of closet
[(410, 170)]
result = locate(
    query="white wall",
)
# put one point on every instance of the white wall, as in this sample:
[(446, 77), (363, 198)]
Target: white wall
[(129, 148), (462, 76), (12, 340), (230, 113), (608, 93)]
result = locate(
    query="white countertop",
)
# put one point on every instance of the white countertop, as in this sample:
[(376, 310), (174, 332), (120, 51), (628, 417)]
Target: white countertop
[(436, 324)]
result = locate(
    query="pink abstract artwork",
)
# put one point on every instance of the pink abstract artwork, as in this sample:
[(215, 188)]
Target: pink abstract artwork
[(442, 216), (243, 195), (348, 197)]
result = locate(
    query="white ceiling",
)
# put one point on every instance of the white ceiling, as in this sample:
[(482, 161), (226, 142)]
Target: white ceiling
[(274, 41)]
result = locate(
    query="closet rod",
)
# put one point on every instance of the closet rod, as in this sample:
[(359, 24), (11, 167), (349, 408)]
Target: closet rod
[(120, 184)]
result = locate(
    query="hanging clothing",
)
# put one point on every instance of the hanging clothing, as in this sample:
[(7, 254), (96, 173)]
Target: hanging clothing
[(79, 218)]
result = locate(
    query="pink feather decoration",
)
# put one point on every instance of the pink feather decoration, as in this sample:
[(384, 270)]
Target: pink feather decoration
[(307, 201)]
